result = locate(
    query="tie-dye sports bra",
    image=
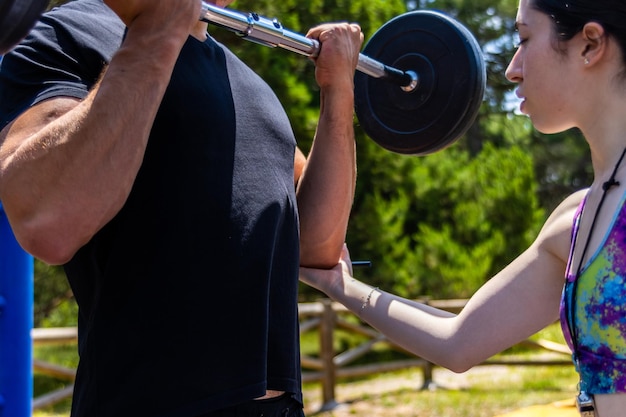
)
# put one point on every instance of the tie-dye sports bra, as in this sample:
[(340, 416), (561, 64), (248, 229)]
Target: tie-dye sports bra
[(599, 316)]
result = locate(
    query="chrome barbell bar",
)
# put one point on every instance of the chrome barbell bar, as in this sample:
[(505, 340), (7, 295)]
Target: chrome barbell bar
[(270, 32)]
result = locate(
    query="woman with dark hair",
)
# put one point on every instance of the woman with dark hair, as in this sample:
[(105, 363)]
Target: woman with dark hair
[(569, 71)]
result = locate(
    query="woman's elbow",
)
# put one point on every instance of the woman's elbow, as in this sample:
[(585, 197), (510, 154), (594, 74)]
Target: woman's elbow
[(458, 359), (460, 366)]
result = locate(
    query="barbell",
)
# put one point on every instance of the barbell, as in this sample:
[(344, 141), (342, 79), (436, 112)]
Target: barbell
[(426, 96), (423, 100)]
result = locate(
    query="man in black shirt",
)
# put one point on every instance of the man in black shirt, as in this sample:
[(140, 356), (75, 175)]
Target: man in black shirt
[(131, 153)]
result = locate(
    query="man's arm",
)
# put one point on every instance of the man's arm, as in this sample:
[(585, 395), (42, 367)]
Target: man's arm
[(326, 189), (67, 167), (513, 305)]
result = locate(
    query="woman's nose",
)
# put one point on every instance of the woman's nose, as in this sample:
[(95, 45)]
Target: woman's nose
[(513, 72)]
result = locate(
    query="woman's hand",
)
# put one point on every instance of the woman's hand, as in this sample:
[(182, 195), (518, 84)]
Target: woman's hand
[(326, 279)]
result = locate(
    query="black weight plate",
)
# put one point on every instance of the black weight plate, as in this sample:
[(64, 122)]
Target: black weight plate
[(452, 76), (17, 18)]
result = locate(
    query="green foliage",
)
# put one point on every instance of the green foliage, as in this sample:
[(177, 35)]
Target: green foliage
[(60, 355), (442, 224), (563, 165), (54, 302)]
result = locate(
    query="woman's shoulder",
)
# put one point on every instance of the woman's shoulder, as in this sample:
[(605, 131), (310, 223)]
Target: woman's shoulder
[(556, 234), (571, 202), (567, 208)]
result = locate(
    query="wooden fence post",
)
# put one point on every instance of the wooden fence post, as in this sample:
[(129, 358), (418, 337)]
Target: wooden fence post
[(327, 355), (429, 383)]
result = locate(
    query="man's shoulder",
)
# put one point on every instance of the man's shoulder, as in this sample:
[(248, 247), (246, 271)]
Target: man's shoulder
[(82, 27), (86, 16), (74, 7)]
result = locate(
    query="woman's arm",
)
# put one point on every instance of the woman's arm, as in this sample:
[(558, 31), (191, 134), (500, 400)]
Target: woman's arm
[(516, 303)]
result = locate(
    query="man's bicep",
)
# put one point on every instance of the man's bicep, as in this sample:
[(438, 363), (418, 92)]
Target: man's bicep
[(298, 165), (32, 121)]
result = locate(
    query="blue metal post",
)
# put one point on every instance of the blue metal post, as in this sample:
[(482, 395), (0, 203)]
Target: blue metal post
[(16, 322)]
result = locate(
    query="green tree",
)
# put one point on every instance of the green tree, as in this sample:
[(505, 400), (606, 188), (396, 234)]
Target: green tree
[(441, 225), (55, 305)]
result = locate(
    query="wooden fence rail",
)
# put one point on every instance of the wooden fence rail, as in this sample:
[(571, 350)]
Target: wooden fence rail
[(326, 318)]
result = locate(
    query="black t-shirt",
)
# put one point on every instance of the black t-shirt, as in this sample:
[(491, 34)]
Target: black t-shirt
[(188, 297)]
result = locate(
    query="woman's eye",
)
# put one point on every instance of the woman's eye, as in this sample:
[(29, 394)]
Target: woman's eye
[(520, 42)]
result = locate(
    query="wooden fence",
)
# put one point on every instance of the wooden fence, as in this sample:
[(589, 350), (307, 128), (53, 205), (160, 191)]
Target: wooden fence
[(326, 318)]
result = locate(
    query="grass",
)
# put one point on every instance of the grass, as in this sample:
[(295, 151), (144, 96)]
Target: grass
[(484, 391), (64, 355)]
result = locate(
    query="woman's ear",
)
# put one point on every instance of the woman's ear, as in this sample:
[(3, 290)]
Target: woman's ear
[(594, 43)]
